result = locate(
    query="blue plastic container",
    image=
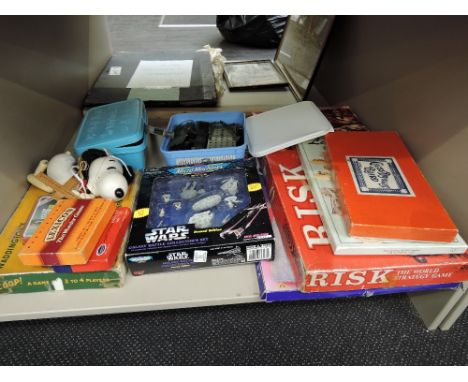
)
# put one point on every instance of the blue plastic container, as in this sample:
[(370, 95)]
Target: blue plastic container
[(118, 127), (182, 157)]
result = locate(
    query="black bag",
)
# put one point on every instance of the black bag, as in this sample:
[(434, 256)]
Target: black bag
[(258, 31)]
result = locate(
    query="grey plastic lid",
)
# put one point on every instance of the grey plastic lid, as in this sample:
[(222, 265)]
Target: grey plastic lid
[(286, 126)]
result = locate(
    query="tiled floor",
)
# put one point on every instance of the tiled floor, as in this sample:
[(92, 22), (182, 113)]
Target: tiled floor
[(144, 33)]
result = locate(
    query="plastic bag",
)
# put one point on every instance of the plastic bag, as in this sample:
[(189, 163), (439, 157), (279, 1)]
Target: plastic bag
[(258, 31), (217, 62)]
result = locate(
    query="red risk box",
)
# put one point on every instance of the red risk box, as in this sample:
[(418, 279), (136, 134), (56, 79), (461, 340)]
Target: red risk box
[(317, 269)]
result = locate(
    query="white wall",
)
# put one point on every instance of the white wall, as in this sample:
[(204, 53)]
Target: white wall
[(47, 65), (408, 73)]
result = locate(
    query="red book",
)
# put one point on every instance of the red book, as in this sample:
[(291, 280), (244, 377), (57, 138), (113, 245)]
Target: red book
[(317, 268), (382, 190)]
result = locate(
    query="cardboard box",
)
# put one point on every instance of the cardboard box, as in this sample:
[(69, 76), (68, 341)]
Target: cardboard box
[(198, 216), (105, 252), (69, 233), (318, 172), (116, 234), (382, 191), (15, 277), (276, 281), (316, 268)]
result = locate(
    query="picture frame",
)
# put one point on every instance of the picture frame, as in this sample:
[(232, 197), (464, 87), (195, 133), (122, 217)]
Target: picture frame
[(293, 66), (253, 74)]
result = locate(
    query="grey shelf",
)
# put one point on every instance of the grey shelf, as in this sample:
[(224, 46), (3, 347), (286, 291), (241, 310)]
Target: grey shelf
[(194, 288), (434, 306), (171, 290)]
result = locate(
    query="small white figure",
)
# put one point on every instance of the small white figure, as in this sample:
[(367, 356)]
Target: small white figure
[(189, 192), (106, 178), (166, 198), (226, 219), (60, 167), (202, 219), (232, 201), (207, 203)]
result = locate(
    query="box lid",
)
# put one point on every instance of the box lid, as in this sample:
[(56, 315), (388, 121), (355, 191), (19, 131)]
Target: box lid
[(113, 125), (286, 126), (383, 192)]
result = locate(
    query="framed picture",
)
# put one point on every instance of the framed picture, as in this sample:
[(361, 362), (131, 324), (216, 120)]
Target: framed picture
[(295, 60), (246, 74), (300, 50)]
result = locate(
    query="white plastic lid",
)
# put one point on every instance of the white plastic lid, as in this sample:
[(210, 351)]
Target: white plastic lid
[(286, 126)]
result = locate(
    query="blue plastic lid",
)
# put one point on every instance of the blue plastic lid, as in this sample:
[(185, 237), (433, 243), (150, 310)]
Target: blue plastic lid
[(113, 125)]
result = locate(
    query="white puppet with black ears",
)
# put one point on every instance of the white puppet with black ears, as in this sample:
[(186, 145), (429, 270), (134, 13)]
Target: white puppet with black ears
[(107, 176)]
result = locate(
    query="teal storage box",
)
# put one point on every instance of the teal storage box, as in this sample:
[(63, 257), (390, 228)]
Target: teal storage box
[(206, 155), (117, 127)]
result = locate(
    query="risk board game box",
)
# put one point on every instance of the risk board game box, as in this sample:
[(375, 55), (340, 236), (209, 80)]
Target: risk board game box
[(316, 267), (342, 118), (277, 283), (200, 215), (382, 191), (105, 252)]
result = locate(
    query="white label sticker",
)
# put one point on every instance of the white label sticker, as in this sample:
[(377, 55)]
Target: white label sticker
[(258, 252), (162, 74), (115, 70), (200, 256)]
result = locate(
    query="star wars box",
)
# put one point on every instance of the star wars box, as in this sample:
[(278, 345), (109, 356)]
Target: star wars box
[(199, 216)]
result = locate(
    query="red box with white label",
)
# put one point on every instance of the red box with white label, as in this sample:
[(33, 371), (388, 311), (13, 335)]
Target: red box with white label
[(316, 267), (383, 193)]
